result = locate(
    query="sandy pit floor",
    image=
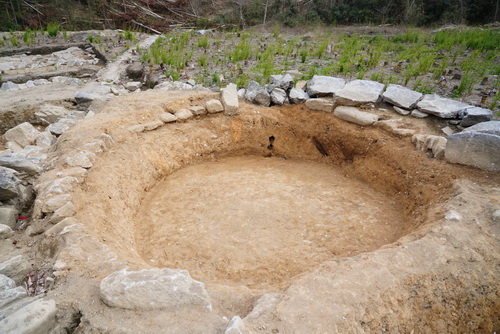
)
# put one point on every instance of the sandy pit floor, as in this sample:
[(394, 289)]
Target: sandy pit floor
[(259, 221)]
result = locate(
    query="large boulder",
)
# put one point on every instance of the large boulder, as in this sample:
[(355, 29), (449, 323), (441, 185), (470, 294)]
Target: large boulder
[(49, 114), (36, 317), (135, 71), (150, 289), (257, 94), (474, 115), (278, 96), (359, 92), (441, 107), (324, 86), (354, 115), (16, 268), (478, 146), (401, 96), (23, 134)]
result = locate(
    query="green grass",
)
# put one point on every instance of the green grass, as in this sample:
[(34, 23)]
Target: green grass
[(53, 29), (13, 40)]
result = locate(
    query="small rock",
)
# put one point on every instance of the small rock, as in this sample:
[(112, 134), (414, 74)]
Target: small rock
[(401, 96), (167, 117), (19, 164), (441, 107), (496, 216), (133, 86), (320, 104), (152, 80), (23, 134), (36, 317), (152, 125), (214, 106), (5, 231), (183, 114), (474, 115), (354, 115), (9, 184), (301, 84), (198, 110), (84, 159), (241, 93), (436, 144), (9, 85), (8, 215), (15, 268), (45, 139), (135, 71), (236, 326), (402, 111), (324, 86), (136, 128), (6, 283), (284, 82), (298, 96), (396, 126), (56, 202), (67, 210), (257, 94), (418, 114), (278, 96), (448, 131), (49, 114), (150, 289), (230, 100), (61, 126)]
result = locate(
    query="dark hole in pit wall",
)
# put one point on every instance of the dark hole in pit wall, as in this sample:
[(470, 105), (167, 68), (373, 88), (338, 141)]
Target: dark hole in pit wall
[(271, 141)]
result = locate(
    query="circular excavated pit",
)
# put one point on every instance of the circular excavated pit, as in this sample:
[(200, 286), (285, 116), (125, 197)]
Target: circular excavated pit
[(259, 221)]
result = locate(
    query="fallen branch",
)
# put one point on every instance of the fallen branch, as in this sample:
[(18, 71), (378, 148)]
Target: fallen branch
[(146, 27), (33, 7)]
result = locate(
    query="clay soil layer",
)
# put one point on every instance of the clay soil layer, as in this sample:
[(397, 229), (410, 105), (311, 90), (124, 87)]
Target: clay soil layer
[(260, 221)]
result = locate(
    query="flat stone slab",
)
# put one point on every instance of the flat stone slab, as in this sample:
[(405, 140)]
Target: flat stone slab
[(401, 96), (441, 107), (491, 127), (320, 104), (151, 289), (36, 317), (354, 115), (321, 85), (475, 149), (359, 92), (475, 115)]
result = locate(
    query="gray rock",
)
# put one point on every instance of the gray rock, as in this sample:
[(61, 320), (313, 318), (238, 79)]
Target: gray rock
[(359, 92), (45, 139), (474, 115), (435, 144), (354, 115), (5, 232), (183, 114), (402, 111), (56, 202), (491, 127), (23, 134), (320, 104), (9, 184), (278, 96), (236, 326), (150, 126), (133, 85), (324, 86), (135, 71), (11, 295), (257, 94), (448, 131), (9, 85), (401, 96), (15, 268), (284, 82), (214, 106), (298, 96), (496, 216), (241, 93), (441, 107), (61, 126), (8, 215), (475, 149), (36, 317), (86, 97), (167, 117), (18, 164), (49, 114), (418, 114), (230, 100), (6, 283), (84, 159), (150, 289), (65, 211)]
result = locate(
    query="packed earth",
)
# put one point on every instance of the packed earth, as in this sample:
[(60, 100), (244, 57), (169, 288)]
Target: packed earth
[(138, 203)]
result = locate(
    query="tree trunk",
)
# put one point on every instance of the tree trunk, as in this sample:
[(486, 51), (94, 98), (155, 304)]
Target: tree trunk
[(265, 12)]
